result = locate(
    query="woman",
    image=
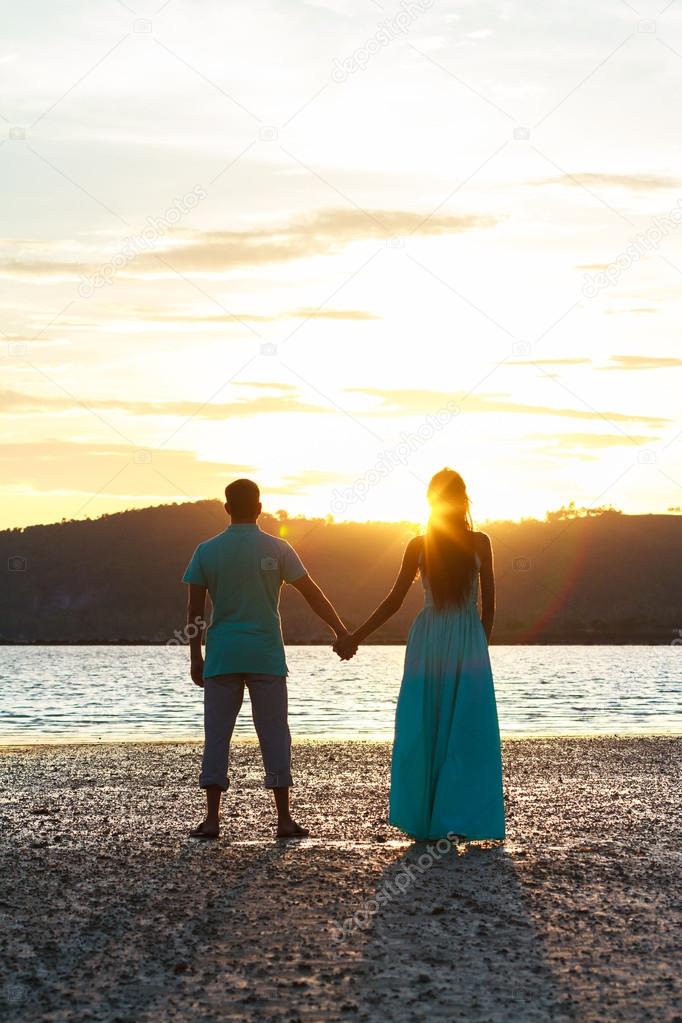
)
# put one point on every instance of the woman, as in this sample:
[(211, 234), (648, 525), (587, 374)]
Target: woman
[(446, 772)]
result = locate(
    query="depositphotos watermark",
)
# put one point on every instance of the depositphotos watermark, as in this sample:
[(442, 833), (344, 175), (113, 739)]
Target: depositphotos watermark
[(181, 637), (390, 459), (145, 241), (389, 29), (639, 247), (391, 889)]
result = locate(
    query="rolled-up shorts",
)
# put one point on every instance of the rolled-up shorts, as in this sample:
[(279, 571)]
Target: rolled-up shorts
[(223, 696)]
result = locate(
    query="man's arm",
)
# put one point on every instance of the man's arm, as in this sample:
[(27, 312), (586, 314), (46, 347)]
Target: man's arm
[(196, 626), (322, 607), (487, 585)]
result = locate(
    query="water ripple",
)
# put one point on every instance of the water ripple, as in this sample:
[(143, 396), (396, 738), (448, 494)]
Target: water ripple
[(53, 694)]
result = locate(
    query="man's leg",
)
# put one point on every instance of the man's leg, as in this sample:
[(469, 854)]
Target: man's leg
[(269, 706), (223, 697)]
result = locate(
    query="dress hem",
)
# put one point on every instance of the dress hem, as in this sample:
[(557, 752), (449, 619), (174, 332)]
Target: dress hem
[(452, 831)]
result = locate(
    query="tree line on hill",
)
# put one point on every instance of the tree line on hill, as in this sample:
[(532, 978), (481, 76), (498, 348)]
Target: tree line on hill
[(579, 576)]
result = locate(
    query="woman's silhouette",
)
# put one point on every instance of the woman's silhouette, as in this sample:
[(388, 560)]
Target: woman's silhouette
[(446, 773)]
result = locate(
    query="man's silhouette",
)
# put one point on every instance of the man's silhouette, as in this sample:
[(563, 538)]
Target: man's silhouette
[(243, 569)]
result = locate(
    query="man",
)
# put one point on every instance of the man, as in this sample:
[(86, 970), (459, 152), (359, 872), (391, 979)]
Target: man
[(243, 569)]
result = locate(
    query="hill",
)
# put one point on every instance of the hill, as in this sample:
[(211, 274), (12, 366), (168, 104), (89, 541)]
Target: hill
[(574, 578)]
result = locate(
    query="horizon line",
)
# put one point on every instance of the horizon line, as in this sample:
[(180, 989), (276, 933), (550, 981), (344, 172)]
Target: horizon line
[(571, 512)]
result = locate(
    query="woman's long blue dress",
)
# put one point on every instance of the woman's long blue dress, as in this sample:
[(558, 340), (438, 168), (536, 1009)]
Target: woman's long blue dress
[(446, 772)]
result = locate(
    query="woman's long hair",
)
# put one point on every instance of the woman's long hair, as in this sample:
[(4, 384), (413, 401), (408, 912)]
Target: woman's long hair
[(449, 557)]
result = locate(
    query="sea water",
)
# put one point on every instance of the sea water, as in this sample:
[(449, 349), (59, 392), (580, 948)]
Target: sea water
[(100, 693)]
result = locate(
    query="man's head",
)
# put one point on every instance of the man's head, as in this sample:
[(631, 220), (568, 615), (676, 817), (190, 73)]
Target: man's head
[(242, 501)]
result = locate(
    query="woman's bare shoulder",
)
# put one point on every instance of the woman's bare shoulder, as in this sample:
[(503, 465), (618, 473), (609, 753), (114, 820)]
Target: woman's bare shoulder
[(482, 543), (415, 546)]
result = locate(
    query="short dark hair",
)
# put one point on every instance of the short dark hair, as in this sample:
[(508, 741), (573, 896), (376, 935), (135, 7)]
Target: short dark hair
[(242, 496)]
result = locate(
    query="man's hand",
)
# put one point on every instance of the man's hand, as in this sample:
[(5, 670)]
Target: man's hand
[(197, 671), (346, 646)]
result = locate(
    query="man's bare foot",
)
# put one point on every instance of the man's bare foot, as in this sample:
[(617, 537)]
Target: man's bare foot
[(290, 829), (205, 830)]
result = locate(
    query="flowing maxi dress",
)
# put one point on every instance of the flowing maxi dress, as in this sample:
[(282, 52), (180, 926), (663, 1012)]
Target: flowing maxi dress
[(446, 770)]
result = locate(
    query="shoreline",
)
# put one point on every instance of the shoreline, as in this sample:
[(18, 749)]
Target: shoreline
[(112, 913), (317, 740)]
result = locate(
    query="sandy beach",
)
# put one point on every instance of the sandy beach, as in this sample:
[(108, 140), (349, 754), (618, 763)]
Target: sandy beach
[(110, 913)]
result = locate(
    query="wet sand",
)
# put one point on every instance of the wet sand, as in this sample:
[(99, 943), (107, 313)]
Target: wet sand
[(108, 912)]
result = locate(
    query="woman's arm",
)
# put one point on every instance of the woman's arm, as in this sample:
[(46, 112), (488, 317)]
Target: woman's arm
[(388, 607), (485, 553)]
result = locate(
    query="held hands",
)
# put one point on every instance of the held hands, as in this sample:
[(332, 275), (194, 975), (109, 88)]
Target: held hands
[(346, 646)]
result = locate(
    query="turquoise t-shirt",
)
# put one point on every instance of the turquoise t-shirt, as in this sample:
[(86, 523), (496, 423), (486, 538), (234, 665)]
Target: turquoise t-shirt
[(243, 569)]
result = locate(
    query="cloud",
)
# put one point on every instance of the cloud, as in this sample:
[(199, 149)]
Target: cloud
[(421, 403), (643, 362), (591, 440), (301, 483), (577, 361), (332, 314), (13, 402), (626, 312), (88, 470), (323, 233), (286, 400), (629, 182), (582, 446), (158, 316)]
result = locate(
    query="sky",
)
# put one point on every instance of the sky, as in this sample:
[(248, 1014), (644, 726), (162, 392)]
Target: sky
[(336, 246)]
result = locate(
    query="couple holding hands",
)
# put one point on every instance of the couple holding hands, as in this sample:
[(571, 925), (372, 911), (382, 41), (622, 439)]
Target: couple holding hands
[(446, 770)]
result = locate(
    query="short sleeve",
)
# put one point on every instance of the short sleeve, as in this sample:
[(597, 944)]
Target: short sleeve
[(292, 566), (194, 573)]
